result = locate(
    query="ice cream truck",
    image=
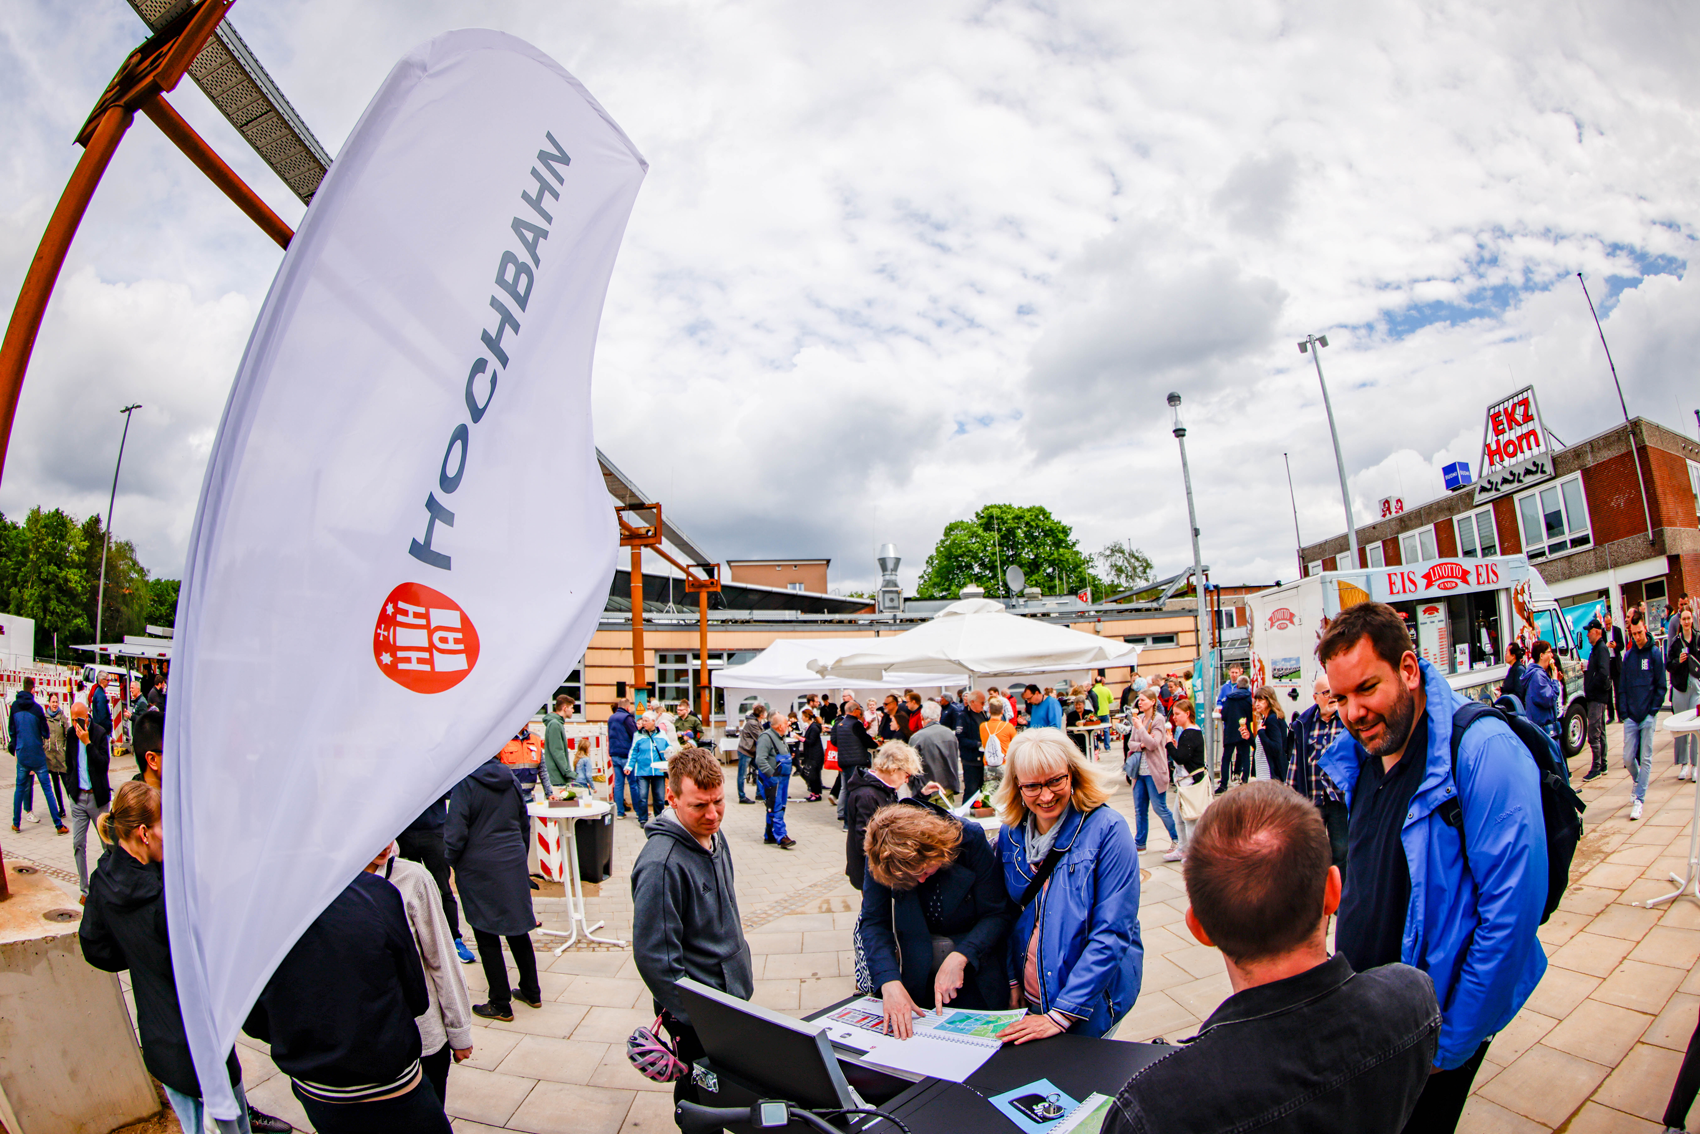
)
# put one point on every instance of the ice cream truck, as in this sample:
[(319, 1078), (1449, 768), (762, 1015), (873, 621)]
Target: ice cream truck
[(1462, 614)]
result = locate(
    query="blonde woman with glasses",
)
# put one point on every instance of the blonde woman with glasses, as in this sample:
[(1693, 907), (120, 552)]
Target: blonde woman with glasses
[(1072, 871)]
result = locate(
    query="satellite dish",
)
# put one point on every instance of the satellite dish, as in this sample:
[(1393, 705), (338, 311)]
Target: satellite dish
[(1015, 578)]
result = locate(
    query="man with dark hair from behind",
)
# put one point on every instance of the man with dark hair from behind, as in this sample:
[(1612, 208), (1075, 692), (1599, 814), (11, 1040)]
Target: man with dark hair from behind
[(339, 1014), (1304, 1044), (1461, 903)]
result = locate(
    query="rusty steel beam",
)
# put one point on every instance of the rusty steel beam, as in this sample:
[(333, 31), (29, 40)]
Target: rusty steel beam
[(195, 148), (151, 70)]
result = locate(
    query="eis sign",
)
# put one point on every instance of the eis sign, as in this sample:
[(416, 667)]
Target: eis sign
[(1444, 576), (1514, 446)]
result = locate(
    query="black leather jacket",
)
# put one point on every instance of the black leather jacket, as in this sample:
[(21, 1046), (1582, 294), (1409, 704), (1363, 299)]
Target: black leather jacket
[(1326, 1051)]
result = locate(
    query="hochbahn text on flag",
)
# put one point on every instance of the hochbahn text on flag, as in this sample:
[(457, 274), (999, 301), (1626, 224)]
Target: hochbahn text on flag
[(403, 541)]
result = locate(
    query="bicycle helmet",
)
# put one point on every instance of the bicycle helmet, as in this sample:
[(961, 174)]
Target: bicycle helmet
[(653, 1056)]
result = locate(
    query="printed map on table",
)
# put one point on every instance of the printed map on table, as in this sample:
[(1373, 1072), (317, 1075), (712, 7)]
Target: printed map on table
[(984, 1024)]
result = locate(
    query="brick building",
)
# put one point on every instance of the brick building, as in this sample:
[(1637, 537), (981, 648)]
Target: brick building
[(1584, 528)]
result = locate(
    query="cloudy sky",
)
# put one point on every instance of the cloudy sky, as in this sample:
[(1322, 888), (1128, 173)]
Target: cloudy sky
[(893, 261)]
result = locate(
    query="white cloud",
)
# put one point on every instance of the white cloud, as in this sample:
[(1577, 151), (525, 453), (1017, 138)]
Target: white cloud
[(894, 261)]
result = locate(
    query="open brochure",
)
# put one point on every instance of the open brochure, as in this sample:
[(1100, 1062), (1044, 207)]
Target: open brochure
[(1041, 1107), (951, 1044)]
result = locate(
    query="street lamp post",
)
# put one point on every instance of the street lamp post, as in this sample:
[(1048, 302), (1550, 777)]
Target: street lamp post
[(1312, 345), (1206, 674), (106, 538)]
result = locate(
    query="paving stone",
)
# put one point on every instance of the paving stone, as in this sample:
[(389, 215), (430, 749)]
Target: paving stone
[(1484, 1117), (1592, 953), (611, 1025), (1545, 1085), (1642, 1081), (799, 965), (558, 1020), (1199, 960), (1202, 997), (485, 1096), (1618, 921), (650, 1113), (1676, 1024), (616, 1071), (1559, 991), (1596, 1031), (490, 1047), (557, 1060), (1612, 876), (1523, 1032), (826, 941), (1640, 986), (1663, 945), (563, 1108), (1153, 1015), (1594, 1118), (816, 994), (607, 992)]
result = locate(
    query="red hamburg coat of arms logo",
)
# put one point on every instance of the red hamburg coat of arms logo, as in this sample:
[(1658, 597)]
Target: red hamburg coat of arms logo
[(423, 640)]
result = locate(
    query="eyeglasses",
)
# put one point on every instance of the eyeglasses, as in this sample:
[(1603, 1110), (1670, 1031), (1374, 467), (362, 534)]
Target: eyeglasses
[(1053, 785)]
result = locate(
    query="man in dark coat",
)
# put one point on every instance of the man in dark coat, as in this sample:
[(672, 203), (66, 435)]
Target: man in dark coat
[(486, 841), (339, 1015), (1236, 749), (27, 740), (622, 727), (969, 717), (855, 747)]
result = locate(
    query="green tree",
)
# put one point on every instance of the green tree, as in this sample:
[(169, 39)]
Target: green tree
[(162, 602), (44, 576), (124, 604), (1122, 566), (980, 550)]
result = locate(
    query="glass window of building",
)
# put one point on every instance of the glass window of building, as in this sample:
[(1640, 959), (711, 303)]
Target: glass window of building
[(1377, 556), (1477, 537), (1314, 567), (574, 684), (1694, 482), (1554, 519), (1418, 546)]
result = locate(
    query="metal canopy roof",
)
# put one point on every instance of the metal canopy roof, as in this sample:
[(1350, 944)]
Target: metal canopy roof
[(621, 488), (229, 74)]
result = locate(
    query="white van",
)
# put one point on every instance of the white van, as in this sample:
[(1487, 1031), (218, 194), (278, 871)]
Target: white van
[(1462, 614)]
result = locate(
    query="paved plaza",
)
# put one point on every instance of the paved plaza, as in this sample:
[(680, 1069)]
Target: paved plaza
[(1596, 1048)]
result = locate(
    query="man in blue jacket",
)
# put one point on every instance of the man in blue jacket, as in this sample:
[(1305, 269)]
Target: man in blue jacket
[(622, 726), (1410, 895), (1640, 691)]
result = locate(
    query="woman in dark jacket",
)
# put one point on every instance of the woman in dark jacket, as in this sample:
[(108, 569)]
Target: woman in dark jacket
[(1272, 731), (124, 928), (935, 917), (486, 840)]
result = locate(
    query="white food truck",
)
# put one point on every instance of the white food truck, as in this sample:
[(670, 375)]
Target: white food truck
[(1462, 613)]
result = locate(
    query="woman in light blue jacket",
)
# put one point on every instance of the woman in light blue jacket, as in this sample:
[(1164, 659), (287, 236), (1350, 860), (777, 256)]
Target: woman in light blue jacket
[(1075, 958), (646, 767)]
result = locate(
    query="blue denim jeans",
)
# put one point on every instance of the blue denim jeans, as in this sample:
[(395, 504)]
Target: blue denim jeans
[(1144, 791), (33, 764), (648, 792), (774, 791), (743, 773), (619, 790), (1638, 751)]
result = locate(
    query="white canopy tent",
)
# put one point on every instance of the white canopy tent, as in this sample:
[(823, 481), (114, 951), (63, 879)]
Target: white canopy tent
[(976, 638), (781, 673)]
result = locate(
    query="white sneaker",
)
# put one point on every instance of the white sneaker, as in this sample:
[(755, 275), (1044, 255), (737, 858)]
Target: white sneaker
[(33, 817), (1174, 855), (1635, 810)]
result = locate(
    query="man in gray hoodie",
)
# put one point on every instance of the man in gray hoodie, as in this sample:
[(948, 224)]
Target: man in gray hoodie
[(685, 919)]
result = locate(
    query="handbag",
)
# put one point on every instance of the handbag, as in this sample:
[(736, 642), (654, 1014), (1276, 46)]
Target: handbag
[(1194, 794)]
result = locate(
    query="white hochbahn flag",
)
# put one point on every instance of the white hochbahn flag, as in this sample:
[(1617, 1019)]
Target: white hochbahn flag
[(404, 541)]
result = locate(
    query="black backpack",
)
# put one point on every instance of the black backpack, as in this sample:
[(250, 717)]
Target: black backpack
[(1561, 807)]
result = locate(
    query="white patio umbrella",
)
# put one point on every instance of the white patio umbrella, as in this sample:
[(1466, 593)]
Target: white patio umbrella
[(978, 638)]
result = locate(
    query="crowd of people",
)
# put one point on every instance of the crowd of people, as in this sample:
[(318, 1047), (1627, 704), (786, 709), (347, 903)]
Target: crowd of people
[(1425, 849), (1433, 956)]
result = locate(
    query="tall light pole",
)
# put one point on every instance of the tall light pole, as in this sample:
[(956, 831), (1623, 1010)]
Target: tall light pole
[(1206, 674), (106, 538), (1312, 345), (1298, 541), (1628, 428)]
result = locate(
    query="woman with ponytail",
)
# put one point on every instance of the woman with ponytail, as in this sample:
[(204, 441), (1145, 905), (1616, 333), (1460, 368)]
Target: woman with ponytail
[(124, 928)]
